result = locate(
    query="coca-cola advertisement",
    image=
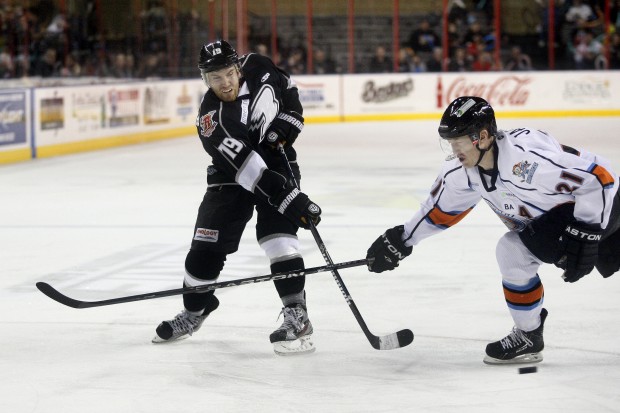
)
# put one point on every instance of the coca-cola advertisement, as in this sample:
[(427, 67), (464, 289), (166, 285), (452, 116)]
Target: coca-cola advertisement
[(533, 93), (502, 90)]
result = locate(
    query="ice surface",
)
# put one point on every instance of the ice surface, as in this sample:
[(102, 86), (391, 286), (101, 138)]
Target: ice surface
[(119, 222)]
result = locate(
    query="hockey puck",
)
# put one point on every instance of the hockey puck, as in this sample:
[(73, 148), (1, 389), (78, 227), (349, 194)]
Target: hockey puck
[(527, 370)]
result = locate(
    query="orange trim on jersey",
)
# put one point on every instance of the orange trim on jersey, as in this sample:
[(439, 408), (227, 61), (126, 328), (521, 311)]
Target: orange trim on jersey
[(603, 176), (443, 218), (524, 298)]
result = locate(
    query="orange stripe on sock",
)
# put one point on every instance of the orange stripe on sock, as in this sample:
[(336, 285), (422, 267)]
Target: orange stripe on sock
[(442, 218), (525, 298), (603, 176)]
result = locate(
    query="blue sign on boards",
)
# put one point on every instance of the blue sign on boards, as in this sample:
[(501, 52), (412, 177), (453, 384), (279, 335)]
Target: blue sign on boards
[(12, 117)]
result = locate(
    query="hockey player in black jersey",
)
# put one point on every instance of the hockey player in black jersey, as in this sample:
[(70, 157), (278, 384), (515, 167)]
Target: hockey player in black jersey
[(561, 206), (251, 106)]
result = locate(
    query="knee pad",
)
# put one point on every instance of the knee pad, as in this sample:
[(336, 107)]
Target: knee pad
[(202, 267), (281, 247)]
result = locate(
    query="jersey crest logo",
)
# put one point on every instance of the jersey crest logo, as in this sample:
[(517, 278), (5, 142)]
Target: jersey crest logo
[(207, 124), (524, 170)]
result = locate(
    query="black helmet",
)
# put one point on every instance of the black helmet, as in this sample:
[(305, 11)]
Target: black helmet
[(467, 115), (217, 55)]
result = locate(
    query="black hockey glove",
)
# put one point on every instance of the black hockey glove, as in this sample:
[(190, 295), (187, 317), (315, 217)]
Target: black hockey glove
[(387, 250), (284, 129), (296, 206), (581, 250)]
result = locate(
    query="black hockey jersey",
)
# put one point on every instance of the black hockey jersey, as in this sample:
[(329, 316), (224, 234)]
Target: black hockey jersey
[(231, 132)]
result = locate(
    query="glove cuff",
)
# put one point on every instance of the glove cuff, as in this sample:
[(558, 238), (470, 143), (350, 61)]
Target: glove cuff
[(584, 232), (284, 203), (294, 119), (394, 237)]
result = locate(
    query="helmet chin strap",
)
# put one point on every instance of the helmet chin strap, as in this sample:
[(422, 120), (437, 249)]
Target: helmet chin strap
[(482, 151), (494, 171)]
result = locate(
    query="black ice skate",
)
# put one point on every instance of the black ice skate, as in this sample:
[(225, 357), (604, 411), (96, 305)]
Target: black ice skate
[(519, 346), (184, 324), (294, 336)]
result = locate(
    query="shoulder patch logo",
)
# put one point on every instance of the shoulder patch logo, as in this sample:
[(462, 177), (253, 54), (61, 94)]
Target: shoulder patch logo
[(264, 78), (525, 171), (207, 124)]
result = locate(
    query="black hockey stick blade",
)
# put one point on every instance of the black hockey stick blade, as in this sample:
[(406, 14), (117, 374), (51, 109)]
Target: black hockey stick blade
[(56, 295)]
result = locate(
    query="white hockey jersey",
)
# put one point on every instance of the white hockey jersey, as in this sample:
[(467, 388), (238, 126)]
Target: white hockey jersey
[(534, 174)]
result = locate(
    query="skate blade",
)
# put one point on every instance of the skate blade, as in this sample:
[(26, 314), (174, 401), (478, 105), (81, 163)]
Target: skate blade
[(522, 359), (303, 345), (158, 340)]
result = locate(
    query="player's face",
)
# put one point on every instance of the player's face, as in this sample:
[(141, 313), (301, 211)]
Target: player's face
[(225, 83), (465, 150)]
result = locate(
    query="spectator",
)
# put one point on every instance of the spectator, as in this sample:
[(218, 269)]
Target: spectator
[(435, 62), (586, 49), (457, 12), (474, 32), (579, 13), (474, 46), (323, 64), (577, 18), (119, 66), (484, 62), (417, 64), (423, 39), (152, 66), (405, 59), (48, 65), (380, 62), (460, 62), (6, 66), (261, 49), (296, 63), (71, 67), (518, 61)]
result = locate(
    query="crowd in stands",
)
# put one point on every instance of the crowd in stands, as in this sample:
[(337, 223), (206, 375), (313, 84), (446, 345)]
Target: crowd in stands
[(41, 41)]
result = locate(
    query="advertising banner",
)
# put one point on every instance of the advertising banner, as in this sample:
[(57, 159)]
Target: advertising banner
[(535, 93), (14, 119), (15, 125), (116, 112), (320, 96), (381, 94)]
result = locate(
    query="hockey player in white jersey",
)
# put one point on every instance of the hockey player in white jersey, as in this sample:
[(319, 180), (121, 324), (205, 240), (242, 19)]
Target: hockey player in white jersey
[(561, 206)]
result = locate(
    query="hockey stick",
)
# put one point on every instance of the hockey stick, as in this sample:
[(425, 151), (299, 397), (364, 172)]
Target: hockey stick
[(55, 295), (399, 339)]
